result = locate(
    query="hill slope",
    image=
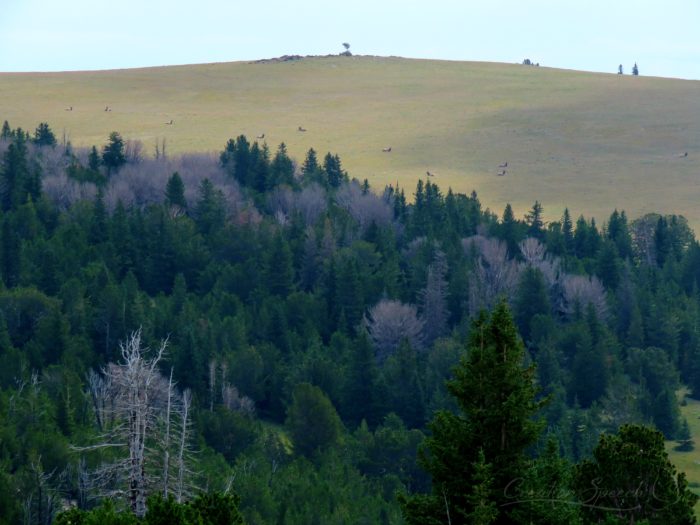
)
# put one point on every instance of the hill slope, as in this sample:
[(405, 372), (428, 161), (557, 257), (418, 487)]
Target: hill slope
[(592, 142)]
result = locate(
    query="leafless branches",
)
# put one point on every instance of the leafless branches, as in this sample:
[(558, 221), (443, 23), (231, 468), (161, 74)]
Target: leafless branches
[(579, 291), (142, 416), (364, 208), (535, 255), (310, 202), (494, 274), (390, 322)]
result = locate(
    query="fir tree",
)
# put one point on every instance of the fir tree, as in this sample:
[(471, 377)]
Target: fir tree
[(496, 396), (113, 156), (531, 300), (509, 231), (94, 160), (568, 232), (630, 478), (535, 224), (175, 192), (6, 132), (43, 136)]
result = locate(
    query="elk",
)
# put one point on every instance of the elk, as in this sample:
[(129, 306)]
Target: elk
[(429, 174), (504, 165), (69, 108), (301, 129), (261, 136), (107, 108), (501, 173), (169, 123), (386, 150)]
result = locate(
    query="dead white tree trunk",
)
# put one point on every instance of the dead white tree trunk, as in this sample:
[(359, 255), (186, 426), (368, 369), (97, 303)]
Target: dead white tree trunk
[(166, 444), (135, 406), (182, 470)]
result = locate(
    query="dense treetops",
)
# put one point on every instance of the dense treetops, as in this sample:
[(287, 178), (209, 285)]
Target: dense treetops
[(323, 330)]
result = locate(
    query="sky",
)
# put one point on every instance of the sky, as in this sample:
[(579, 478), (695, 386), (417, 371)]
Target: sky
[(592, 35)]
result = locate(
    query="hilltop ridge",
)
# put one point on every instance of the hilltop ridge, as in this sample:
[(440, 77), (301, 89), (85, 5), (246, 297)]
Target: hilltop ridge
[(582, 140)]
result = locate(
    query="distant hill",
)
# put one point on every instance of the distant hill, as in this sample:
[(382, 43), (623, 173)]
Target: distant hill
[(592, 142)]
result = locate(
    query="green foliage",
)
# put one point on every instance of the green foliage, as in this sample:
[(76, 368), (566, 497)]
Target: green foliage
[(43, 136), (113, 156), (497, 399), (175, 192), (531, 301), (312, 421), (211, 508), (257, 312), (631, 479)]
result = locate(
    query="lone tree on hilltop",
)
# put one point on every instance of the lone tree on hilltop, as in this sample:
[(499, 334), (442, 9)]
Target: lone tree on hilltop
[(619, 70), (347, 52)]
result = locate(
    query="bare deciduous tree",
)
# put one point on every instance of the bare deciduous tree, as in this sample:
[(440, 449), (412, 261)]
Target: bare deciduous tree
[(579, 291), (390, 322), (133, 151), (494, 274), (364, 208)]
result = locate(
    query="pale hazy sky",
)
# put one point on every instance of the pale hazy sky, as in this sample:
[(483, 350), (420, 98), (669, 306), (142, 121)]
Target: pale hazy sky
[(663, 37)]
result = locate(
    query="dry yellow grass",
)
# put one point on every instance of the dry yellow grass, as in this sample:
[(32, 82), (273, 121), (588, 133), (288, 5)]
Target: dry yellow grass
[(592, 142)]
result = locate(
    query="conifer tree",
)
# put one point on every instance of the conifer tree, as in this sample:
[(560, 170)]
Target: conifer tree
[(113, 155), (630, 479), (531, 300), (175, 192), (14, 176), (94, 160), (6, 132), (282, 168), (496, 396), (310, 168), (509, 231), (567, 230), (534, 221)]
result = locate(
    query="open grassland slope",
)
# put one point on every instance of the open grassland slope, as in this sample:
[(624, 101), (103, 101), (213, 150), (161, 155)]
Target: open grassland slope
[(689, 462), (592, 142)]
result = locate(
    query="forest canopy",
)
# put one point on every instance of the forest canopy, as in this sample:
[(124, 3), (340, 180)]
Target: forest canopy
[(310, 343)]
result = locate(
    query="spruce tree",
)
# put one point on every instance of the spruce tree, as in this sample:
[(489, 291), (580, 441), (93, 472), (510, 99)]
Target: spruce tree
[(509, 231), (94, 160), (43, 136), (113, 156), (630, 479), (6, 132), (175, 192), (497, 401), (531, 300), (567, 230), (310, 168), (534, 221), (14, 176)]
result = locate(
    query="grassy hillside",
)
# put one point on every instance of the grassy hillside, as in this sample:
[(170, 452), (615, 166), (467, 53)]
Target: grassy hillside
[(592, 142)]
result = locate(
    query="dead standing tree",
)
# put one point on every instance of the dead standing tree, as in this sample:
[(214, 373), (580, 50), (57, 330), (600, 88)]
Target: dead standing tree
[(146, 418)]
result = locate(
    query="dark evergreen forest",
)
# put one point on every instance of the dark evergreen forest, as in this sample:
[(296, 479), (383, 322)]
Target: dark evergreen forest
[(326, 352)]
